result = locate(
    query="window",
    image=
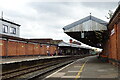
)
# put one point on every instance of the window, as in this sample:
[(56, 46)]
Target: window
[(5, 29), (13, 30)]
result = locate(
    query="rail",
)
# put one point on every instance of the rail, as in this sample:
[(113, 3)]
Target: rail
[(42, 68)]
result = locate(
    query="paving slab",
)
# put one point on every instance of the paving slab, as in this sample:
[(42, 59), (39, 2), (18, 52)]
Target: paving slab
[(89, 68)]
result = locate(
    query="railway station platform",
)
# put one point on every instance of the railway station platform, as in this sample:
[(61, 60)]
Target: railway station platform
[(88, 68), (27, 58)]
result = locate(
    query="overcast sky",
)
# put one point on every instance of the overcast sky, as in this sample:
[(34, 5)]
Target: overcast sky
[(46, 19)]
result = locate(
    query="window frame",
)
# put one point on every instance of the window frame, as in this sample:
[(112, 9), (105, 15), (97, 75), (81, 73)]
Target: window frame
[(4, 27), (12, 30)]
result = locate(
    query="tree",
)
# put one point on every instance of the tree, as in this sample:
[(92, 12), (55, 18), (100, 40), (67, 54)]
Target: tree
[(110, 14)]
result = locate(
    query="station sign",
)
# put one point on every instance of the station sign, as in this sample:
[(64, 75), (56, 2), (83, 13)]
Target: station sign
[(82, 35), (112, 32)]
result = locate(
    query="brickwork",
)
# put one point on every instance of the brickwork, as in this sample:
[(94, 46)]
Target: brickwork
[(21, 48), (12, 48), (51, 50), (36, 49), (43, 50), (118, 40), (29, 49), (2, 48), (113, 45)]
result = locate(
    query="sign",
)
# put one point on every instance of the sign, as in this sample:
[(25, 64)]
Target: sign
[(112, 31), (82, 35)]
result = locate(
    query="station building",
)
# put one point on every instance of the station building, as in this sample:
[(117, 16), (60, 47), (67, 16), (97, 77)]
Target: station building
[(112, 44), (9, 28)]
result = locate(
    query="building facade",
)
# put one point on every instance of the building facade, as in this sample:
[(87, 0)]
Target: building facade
[(112, 45), (9, 28)]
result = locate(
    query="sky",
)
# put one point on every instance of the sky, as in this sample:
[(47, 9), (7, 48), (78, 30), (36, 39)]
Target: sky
[(45, 19)]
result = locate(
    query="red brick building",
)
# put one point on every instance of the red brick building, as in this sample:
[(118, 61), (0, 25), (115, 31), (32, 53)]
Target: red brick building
[(112, 44)]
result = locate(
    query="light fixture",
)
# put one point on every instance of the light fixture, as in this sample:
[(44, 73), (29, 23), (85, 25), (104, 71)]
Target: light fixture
[(1, 44)]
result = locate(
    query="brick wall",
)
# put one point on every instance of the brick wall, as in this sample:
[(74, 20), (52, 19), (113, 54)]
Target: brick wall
[(2, 48), (12, 48), (21, 48), (36, 49), (118, 40), (51, 50), (113, 46), (43, 50), (17, 48), (29, 49)]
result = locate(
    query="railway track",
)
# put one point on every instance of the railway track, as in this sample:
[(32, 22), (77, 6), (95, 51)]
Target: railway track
[(36, 70)]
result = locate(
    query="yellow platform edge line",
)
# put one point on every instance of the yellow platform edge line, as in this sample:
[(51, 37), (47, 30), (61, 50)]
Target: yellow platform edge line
[(80, 71)]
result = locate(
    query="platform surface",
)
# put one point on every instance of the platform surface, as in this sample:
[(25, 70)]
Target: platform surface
[(27, 58), (89, 68)]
